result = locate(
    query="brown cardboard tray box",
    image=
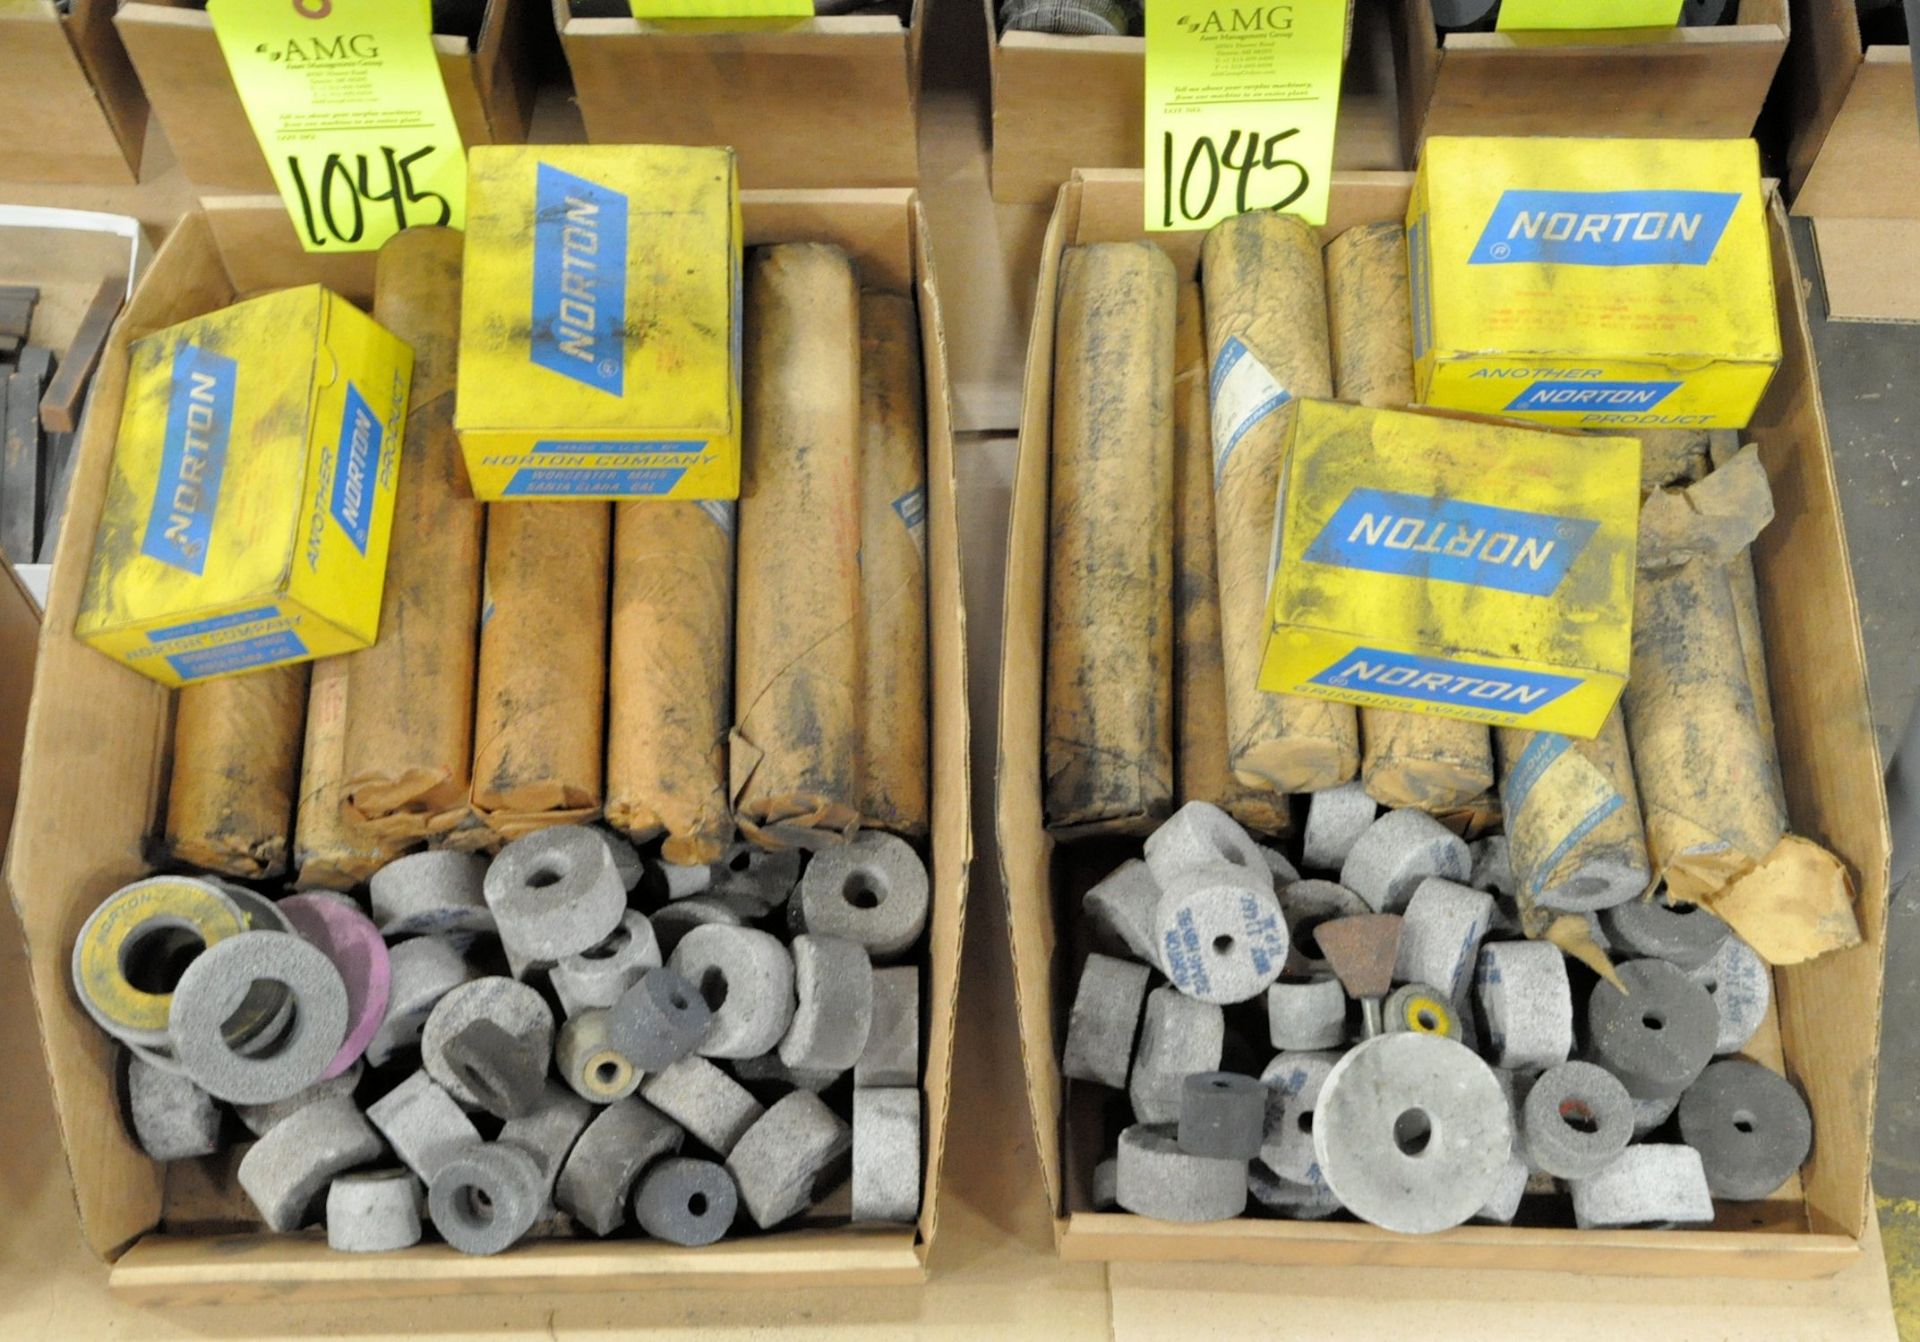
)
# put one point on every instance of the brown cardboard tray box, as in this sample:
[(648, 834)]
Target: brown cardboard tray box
[(829, 101), (92, 786), (1692, 83), (1825, 1031), (490, 88), (71, 105), (1061, 103)]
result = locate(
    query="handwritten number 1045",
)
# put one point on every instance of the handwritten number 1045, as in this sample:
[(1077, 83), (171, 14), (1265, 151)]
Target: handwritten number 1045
[(337, 199), (1207, 164)]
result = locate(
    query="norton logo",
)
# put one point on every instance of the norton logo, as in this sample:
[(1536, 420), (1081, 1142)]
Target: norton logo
[(1260, 19), (360, 438), (193, 457), (1451, 540), (580, 280), (1605, 228), (1439, 681)]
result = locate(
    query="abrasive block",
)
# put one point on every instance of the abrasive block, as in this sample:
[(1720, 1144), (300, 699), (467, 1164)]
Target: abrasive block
[(1266, 313), (1741, 985), (1420, 1008), (1659, 1036), (1288, 1198), (794, 756), (714, 1108), (683, 915), (260, 1117), (1179, 1035), (1504, 1205), (659, 1020), (682, 881), (1682, 934), (872, 891), (1104, 1175), (549, 1131), (1336, 818), (1200, 836), (1750, 1126), (750, 873), (598, 1175), (377, 1211), (1440, 936), (794, 1151), (1108, 732), (626, 858), (173, 1119), (421, 894), (669, 675), (422, 1124), (1645, 1185), (486, 1197), (288, 1169), (595, 978), (1223, 1115), (1293, 1082), (1651, 1114), (1156, 1177), (892, 1054), (510, 1006), (767, 1071), (1307, 1015), (217, 984), (554, 893), (746, 978), (886, 1154), (1572, 815), (424, 970), (1491, 866), (685, 1201), (1397, 852), (349, 939), (236, 765), (1119, 912), (1526, 999), (1305, 905), (833, 1011), (1222, 936), (1576, 1121), (588, 1062), (1101, 1025)]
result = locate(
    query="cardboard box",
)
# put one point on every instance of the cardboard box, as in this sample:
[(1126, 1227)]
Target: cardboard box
[(823, 102), (1592, 283), (572, 250), (1442, 565), (490, 87), (246, 521), (86, 820), (1825, 1022), (1693, 83), (72, 108), (1061, 103)]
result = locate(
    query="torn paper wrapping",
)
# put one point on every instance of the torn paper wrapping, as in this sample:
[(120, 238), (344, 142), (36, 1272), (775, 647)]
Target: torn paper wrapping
[(543, 668), (670, 677), (1109, 687), (1669, 456), (236, 763), (794, 758), (893, 567), (331, 851), (1574, 834), (1199, 675), (1266, 311), (410, 705)]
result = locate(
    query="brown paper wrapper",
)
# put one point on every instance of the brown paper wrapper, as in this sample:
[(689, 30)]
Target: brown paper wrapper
[(1264, 287), (670, 676), (236, 763), (331, 851), (1199, 674), (893, 566), (794, 756), (1670, 457), (410, 705), (1109, 692), (1410, 759), (543, 670), (1580, 815)]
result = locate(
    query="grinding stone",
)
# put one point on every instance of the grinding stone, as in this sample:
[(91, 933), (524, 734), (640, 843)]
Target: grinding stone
[(347, 937), (659, 1020), (886, 1154), (626, 858), (871, 890), (1576, 1121), (1685, 934), (486, 1197), (1750, 1126), (616, 1146), (684, 882), (424, 969), (1305, 905), (892, 1054), (1101, 1025), (374, 1212), (1504, 1205), (1741, 985), (1222, 938), (512, 1006), (1293, 1082), (1199, 837), (1156, 1178), (1491, 866), (1396, 853), (550, 1131), (768, 1071), (1222, 1114), (1307, 1015), (1645, 1185), (746, 978), (796, 1149), (714, 1108), (1651, 1114), (288, 1169), (1659, 1038), (1287, 1198), (833, 982), (554, 893), (422, 1124), (502, 1071), (218, 982), (260, 1117), (1178, 1036), (1440, 936), (1527, 1002), (683, 915), (687, 1202), (597, 976), (173, 1119), (753, 873), (589, 1063), (1336, 818), (435, 892), (1419, 1008), (1119, 912)]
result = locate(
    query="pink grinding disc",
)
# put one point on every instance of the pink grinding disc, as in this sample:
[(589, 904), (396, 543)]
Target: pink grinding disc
[(349, 939)]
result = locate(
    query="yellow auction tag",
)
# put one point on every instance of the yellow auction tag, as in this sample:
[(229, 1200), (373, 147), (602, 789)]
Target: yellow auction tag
[(1241, 105), (346, 99), (722, 9), (1525, 15)]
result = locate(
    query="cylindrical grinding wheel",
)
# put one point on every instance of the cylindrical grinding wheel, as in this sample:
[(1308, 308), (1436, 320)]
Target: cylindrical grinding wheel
[(1573, 818), (1199, 675), (1266, 308), (893, 566), (1109, 689), (410, 705), (331, 850), (236, 763), (794, 756), (670, 676), (543, 639)]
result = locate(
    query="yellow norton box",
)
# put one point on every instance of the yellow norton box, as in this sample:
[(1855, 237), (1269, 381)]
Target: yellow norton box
[(246, 522), (1451, 566), (1592, 283), (600, 323)]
